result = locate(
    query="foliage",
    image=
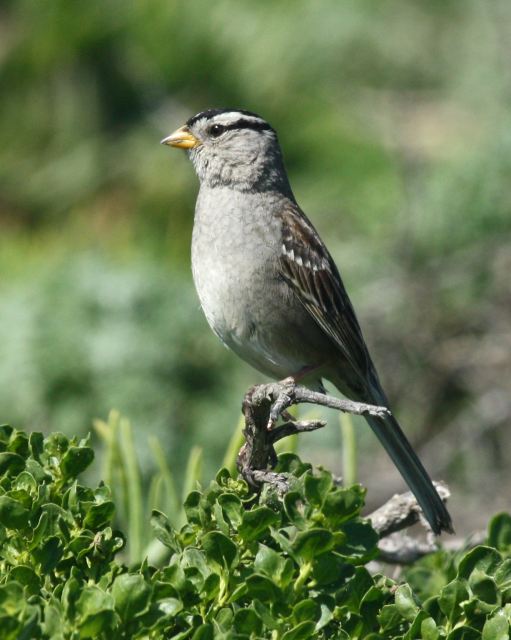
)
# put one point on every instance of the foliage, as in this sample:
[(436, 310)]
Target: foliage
[(243, 566), (134, 499), (395, 121)]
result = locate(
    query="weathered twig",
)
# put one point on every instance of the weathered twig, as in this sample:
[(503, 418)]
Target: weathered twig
[(398, 513), (399, 548), (262, 407), (401, 511)]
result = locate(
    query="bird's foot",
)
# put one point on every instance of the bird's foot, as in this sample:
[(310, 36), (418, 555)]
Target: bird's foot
[(285, 398), (287, 393)]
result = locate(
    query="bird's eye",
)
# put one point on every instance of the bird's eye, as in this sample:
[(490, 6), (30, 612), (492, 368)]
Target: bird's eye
[(216, 130)]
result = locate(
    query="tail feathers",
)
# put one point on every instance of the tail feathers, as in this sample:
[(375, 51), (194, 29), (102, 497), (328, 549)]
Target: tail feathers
[(411, 468)]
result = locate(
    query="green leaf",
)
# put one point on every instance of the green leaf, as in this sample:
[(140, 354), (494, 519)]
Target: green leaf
[(352, 593), (164, 530), (265, 614), (297, 510), (302, 631), (220, 522), (503, 575), (131, 594), (170, 607), (405, 602), (211, 586), (429, 629), (232, 508), (306, 610), (36, 442), (49, 553), (327, 606), (220, 549), (26, 482), (330, 569), (274, 565), (204, 632), (464, 632), (53, 625), (11, 598), (316, 487), (256, 522), (76, 460), (451, 596), (192, 507), (11, 463), (5, 433), (27, 577), (499, 532), (37, 471), (261, 588), (360, 542), (429, 575), (370, 604), (247, 621), (309, 544), (224, 619), (482, 558), (343, 504), (98, 623), (415, 629), (99, 515), (13, 514), (484, 587), (389, 617), (496, 627), (291, 463), (19, 443), (94, 608)]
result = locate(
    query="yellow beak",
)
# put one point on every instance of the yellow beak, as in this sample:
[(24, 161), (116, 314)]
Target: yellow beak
[(181, 138)]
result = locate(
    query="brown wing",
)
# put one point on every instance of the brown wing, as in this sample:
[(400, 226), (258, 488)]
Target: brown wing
[(309, 269)]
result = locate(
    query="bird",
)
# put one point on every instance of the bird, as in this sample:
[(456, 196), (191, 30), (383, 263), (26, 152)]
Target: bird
[(268, 286)]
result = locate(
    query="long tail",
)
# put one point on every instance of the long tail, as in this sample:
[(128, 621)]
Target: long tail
[(411, 468)]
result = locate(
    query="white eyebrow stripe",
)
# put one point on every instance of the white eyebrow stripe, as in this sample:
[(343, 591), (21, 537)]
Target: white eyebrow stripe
[(234, 116)]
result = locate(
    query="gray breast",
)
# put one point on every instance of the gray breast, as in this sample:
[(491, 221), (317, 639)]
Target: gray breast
[(233, 249)]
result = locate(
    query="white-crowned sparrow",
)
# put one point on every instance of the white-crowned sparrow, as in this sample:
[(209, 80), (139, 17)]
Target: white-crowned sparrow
[(268, 285)]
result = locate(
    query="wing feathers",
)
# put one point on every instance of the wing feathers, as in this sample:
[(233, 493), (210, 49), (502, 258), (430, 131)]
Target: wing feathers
[(309, 269)]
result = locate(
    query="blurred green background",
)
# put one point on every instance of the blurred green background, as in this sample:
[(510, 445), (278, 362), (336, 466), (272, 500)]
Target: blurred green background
[(395, 119)]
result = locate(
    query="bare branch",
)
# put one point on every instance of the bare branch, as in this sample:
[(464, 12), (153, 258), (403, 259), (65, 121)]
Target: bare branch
[(401, 511), (399, 548)]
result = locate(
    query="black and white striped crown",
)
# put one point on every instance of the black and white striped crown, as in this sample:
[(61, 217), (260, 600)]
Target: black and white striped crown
[(232, 119)]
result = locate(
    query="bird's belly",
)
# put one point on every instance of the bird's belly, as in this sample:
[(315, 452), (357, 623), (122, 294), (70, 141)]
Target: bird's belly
[(279, 339)]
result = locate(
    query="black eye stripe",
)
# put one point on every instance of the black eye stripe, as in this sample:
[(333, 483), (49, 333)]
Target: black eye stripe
[(247, 124)]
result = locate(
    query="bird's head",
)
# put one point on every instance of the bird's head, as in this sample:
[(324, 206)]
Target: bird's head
[(232, 148)]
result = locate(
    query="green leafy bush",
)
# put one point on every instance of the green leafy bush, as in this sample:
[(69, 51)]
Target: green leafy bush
[(243, 566)]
